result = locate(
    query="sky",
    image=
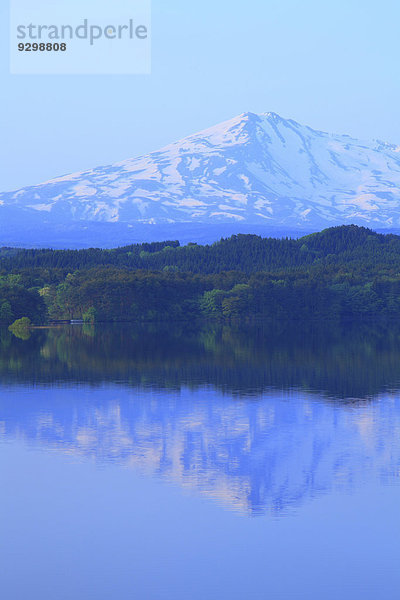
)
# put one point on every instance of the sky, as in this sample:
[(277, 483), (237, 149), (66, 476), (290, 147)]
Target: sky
[(332, 65)]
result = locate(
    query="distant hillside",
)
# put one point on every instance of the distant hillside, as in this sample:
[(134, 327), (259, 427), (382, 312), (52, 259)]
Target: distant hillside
[(347, 245)]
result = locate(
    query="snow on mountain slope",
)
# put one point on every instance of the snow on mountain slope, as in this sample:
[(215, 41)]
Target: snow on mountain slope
[(253, 169)]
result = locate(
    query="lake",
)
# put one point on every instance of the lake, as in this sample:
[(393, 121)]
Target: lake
[(214, 462)]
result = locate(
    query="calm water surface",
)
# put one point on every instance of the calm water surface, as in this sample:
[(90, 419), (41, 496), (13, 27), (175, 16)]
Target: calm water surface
[(220, 463)]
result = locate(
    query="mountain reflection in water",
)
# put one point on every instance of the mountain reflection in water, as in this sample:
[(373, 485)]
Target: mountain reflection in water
[(260, 418)]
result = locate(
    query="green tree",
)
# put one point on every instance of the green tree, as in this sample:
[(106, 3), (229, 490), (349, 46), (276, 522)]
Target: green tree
[(6, 313), (90, 315), (21, 328)]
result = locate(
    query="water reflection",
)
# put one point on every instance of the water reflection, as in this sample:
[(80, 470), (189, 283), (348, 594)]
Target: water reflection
[(258, 455), (350, 361), (261, 419)]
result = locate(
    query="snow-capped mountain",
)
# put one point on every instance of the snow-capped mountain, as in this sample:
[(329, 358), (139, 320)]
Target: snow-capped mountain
[(251, 170)]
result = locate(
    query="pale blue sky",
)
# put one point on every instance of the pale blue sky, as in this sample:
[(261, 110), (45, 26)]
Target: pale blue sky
[(331, 65)]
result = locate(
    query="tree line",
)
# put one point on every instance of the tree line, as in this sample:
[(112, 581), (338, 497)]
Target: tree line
[(340, 272)]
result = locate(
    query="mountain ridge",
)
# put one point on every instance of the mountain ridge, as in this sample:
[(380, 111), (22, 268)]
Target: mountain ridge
[(252, 170)]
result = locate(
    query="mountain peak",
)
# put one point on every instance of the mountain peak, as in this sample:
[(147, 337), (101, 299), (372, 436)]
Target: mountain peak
[(252, 117), (272, 116), (248, 116), (250, 170)]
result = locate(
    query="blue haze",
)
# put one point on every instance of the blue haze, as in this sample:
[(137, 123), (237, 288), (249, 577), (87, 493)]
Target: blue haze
[(334, 66)]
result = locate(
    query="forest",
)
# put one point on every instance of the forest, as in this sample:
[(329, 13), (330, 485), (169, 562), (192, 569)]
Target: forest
[(341, 272)]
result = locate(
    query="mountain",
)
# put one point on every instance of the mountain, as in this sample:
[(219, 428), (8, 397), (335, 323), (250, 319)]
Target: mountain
[(251, 173)]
